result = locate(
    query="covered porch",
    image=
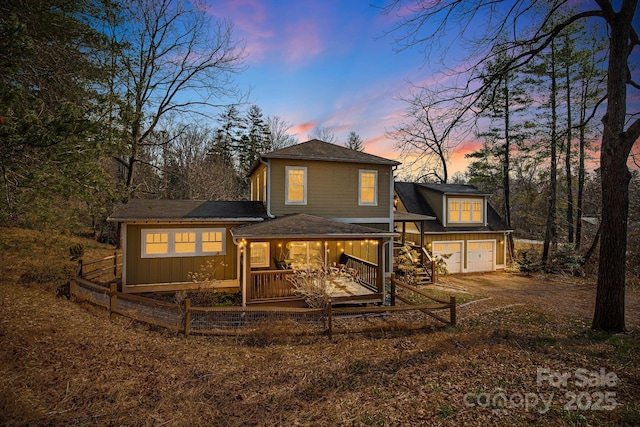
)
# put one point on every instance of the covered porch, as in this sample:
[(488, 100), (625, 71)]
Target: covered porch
[(348, 256)]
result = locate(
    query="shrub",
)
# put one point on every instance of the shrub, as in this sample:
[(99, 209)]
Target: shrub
[(314, 285)]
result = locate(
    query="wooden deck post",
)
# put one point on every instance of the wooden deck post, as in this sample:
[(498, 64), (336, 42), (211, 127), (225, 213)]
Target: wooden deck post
[(393, 289), (115, 264), (113, 300), (452, 301), (187, 317)]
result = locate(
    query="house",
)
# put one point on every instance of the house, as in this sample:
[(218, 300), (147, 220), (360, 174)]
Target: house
[(310, 204), (465, 226)]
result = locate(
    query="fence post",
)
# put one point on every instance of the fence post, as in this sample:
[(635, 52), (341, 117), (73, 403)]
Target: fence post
[(452, 301), (79, 270), (393, 289), (115, 264), (329, 319), (113, 299), (187, 317)]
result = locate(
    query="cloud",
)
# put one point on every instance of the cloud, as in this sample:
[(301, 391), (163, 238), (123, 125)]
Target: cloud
[(285, 33), (302, 130)]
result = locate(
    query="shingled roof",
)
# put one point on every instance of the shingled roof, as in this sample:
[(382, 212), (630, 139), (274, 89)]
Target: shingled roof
[(454, 189), (188, 210), (320, 150), (415, 203), (305, 226)]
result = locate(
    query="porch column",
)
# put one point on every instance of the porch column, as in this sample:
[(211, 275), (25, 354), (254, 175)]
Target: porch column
[(245, 274), (380, 274), (421, 242)]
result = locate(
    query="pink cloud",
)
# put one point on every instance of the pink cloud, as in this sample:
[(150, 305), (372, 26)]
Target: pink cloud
[(258, 25), (302, 129)]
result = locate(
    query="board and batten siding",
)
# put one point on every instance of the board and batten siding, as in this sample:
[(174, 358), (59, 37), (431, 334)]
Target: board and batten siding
[(141, 271), (332, 189), (466, 237)]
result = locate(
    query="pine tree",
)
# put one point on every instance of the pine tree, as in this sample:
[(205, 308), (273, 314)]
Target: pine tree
[(354, 142)]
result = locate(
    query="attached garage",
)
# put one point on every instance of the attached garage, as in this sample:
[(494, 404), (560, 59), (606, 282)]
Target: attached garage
[(454, 262), (481, 255)]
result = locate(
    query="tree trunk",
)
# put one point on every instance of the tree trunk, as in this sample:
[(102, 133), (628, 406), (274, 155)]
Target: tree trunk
[(550, 232), (615, 177), (507, 166), (581, 171), (567, 160)]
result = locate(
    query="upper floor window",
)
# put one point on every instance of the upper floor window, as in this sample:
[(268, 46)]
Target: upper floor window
[(368, 188), (296, 185), (181, 242), (466, 210)]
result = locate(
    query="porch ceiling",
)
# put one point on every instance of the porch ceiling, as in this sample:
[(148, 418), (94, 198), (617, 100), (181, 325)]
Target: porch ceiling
[(308, 227)]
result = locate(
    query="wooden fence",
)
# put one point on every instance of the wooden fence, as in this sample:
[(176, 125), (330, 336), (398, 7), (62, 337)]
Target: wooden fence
[(102, 271), (188, 319)]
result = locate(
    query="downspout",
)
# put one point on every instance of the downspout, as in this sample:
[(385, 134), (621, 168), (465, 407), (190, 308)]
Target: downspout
[(268, 184)]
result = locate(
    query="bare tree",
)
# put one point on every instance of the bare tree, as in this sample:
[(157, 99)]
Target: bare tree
[(424, 26), (427, 139), (324, 133), (354, 142), (175, 60), (279, 130)]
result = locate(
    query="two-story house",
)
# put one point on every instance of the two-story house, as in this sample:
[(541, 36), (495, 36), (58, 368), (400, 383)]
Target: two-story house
[(466, 227), (312, 203)]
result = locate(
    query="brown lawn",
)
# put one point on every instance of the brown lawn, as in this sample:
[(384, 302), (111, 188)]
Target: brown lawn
[(62, 363)]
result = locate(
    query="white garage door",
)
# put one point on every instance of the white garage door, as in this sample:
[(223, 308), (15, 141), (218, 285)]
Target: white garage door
[(481, 255), (454, 262)]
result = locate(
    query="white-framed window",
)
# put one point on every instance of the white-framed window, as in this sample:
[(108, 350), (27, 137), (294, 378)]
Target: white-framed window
[(260, 252), (213, 241), (368, 185), (182, 242), (466, 210), (296, 185), (305, 253)]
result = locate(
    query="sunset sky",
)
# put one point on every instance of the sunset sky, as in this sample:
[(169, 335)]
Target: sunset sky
[(328, 64)]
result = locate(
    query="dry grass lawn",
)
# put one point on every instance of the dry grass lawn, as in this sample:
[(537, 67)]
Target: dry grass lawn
[(62, 363)]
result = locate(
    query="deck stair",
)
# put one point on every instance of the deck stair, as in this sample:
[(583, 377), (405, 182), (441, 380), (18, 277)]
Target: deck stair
[(423, 263)]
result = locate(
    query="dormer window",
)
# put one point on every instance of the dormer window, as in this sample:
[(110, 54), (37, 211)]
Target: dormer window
[(296, 185), (467, 211)]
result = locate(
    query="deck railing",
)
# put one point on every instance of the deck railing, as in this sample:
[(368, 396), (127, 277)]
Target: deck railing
[(270, 284), (367, 272)]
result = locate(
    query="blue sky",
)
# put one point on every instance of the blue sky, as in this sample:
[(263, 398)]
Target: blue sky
[(324, 64), (327, 63)]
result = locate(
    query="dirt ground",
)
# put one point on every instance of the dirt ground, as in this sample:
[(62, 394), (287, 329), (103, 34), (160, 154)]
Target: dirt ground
[(565, 296), (67, 364)]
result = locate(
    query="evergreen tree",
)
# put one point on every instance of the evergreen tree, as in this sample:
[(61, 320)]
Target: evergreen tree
[(354, 142), (51, 87), (255, 141)]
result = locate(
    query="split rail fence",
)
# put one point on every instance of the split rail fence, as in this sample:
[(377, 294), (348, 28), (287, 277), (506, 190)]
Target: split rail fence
[(217, 320)]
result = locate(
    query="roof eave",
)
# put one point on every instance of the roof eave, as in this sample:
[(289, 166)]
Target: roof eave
[(183, 220)]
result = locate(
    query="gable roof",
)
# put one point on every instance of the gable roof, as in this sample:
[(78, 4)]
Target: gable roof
[(320, 150), (453, 189), (188, 210), (305, 226), (414, 202)]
